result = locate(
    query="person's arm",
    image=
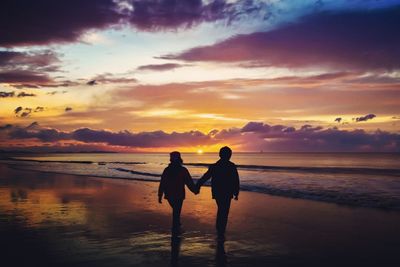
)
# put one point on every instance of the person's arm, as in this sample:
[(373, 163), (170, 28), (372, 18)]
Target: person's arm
[(189, 182), (205, 177), (161, 188), (236, 186)]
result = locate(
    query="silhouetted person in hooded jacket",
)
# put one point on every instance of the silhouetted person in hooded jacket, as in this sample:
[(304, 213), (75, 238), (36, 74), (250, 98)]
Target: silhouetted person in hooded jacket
[(172, 186), (224, 186)]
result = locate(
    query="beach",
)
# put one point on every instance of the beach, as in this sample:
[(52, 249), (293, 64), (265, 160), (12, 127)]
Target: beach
[(69, 220)]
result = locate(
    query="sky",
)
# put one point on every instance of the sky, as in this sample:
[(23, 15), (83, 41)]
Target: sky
[(191, 75)]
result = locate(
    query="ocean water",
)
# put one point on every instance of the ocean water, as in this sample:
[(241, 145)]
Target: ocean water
[(356, 179)]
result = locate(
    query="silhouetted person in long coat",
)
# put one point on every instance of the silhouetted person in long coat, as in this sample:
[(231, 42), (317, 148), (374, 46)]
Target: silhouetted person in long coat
[(224, 186), (172, 186)]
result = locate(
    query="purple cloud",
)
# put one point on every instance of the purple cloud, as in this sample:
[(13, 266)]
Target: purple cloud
[(6, 94), (42, 22), (365, 40), (254, 136), (365, 118), (160, 67), (28, 69)]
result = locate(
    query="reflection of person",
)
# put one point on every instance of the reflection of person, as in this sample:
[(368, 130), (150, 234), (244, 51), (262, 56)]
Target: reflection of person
[(172, 186), (220, 254), (175, 249), (224, 185)]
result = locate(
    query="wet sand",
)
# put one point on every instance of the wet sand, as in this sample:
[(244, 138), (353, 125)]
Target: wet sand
[(65, 220)]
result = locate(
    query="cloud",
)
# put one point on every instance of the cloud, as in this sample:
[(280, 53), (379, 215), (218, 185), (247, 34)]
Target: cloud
[(363, 40), (39, 109), (56, 92), (315, 138), (33, 125), (365, 118), (6, 94), (160, 67), (44, 21), (12, 94), (338, 119), (23, 94), (28, 69), (285, 97), (26, 112), (18, 109), (6, 127), (109, 78), (253, 136), (164, 14), (91, 82), (67, 109)]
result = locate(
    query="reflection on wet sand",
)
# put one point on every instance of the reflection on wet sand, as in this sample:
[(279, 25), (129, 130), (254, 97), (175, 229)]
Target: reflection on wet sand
[(220, 254), (175, 249), (64, 220)]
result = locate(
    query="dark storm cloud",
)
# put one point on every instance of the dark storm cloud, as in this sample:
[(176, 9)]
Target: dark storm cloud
[(42, 22), (364, 40), (254, 136), (365, 118), (160, 67)]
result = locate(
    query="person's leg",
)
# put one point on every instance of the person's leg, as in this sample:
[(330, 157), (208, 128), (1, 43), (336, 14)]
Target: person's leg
[(177, 212), (222, 214), (176, 205)]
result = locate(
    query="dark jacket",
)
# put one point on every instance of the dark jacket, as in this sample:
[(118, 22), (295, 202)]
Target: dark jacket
[(173, 181), (225, 179)]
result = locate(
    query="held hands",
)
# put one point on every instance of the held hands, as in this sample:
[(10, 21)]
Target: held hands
[(196, 190), (236, 197), (160, 199)]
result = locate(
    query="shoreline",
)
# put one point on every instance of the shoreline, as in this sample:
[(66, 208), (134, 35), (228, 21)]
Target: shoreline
[(90, 221), (244, 188)]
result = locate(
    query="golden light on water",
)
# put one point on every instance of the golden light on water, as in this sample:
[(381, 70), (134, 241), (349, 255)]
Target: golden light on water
[(200, 151)]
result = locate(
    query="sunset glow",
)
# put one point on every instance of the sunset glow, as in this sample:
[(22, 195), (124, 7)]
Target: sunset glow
[(258, 75)]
